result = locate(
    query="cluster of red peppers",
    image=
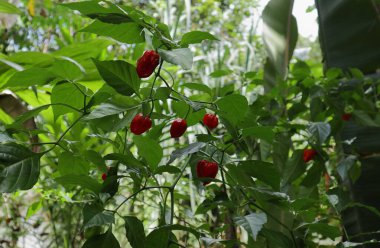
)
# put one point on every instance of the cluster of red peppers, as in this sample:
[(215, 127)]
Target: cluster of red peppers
[(145, 67)]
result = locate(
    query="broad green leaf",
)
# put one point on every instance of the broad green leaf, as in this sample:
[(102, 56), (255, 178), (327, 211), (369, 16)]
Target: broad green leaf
[(279, 34), (192, 148), (163, 93), (199, 87), (220, 73), (120, 75), (80, 180), (20, 168), (69, 94), (252, 223), (82, 51), (38, 59), (93, 215), (28, 115), (325, 230), (130, 32), (105, 240), (195, 37), (69, 163), (260, 132), (104, 110), (294, 168), (33, 208), (345, 165), (233, 108), (265, 172), (127, 159), (320, 131), (8, 8), (167, 168), (135, 232), (30, 77), (67, 69), (158, 238), (180, 56), (150, 150)]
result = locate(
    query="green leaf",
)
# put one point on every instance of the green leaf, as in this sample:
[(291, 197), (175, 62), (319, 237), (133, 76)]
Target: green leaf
[(260, 132), (192, 148), (120, 75), (279, 34), (105, 240), (163, 93), (93, 215), (320, 131), (195, 37), (220, 73), (8, 8), (104, 110), (199, 87), (167, 168), (265, 172), (69, 94), (28, 115), (69, 163), (149, 149), (294, 168), (252, 223), (30, 77), (83, 181), (33, 208), (67, 69), (345, 165), (130, 32), (325, 230), (180, 56), (20, 168), (233, 108), (135, 232)]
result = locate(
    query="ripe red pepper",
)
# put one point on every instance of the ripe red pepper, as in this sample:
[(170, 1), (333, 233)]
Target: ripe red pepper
[(211, 121), (309, 154), (140, 124), (178, 128), (104, 176), (346, 116), (147, 63), (207, 169)]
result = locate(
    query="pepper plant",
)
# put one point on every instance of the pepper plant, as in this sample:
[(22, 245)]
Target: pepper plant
[(154, 157)]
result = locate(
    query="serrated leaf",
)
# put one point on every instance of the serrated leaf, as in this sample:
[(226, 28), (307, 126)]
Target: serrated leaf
[(252, 223), (180, 56)]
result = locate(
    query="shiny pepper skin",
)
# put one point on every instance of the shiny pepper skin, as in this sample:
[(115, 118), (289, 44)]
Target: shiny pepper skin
[(211, 121), (140, 124), (178, 128), (346, 116), (309, 154), (207, 169), (104, 176), (147, 63)]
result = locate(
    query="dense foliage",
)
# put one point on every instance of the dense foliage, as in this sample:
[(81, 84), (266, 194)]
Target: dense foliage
[(154, 124)]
